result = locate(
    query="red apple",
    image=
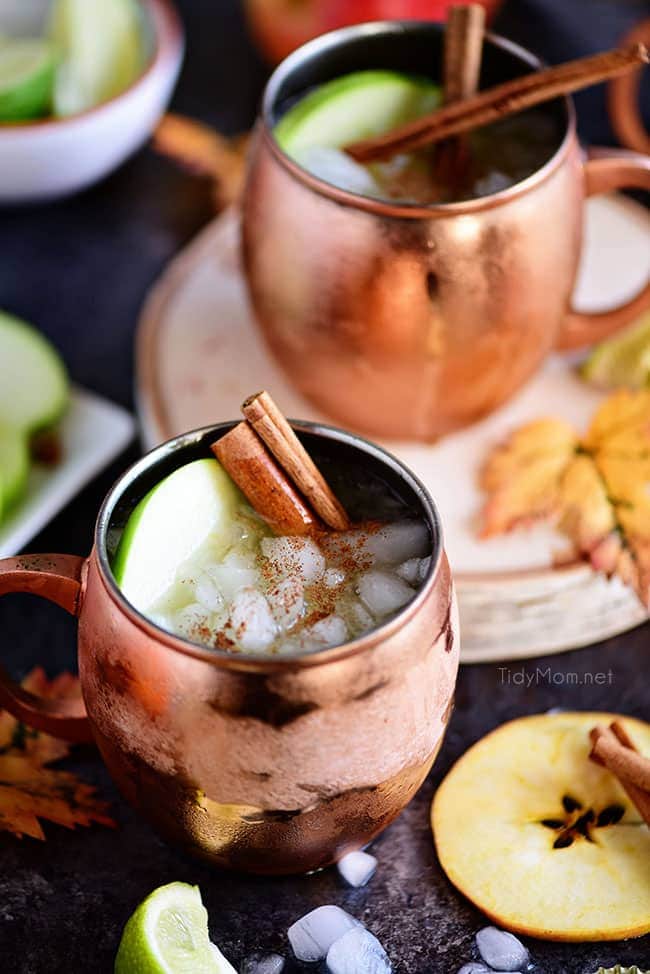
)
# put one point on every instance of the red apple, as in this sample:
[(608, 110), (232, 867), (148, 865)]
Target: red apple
[(280, 26)]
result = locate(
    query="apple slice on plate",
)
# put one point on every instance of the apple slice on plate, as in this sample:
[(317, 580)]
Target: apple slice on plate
[(185, 511), (14, 467)]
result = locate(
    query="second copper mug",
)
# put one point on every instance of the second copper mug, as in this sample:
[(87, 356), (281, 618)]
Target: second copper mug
[(270, 765), (406, 320)]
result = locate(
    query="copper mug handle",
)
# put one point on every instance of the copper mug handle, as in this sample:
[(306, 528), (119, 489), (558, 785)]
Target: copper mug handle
[(57, 578), (605, 171), (623, 98)]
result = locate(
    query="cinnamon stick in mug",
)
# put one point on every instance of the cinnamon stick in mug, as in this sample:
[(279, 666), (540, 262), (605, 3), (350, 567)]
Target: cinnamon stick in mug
[(264, 484), (273, 428), (500, 101)]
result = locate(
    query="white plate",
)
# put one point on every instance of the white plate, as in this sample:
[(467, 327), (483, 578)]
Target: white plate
[(200, 354), (93, 432)]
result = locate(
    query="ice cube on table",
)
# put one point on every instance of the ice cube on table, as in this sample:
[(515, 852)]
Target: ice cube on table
[(251, 623), (339, 169), (313, 934), (235, 572), (358, 952), (357, 868), (299, 557), (383, 592), (475, 967), (501, 950), (287, 602), (263, 964)]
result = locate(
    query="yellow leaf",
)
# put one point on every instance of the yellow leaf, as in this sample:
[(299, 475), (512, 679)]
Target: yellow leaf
[(522, 477), (597, 489)]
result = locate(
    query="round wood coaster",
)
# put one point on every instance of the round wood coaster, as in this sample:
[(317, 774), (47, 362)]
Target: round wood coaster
[(199, 354)]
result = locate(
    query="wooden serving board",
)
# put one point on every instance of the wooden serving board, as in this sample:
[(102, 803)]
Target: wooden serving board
[(199, 354)]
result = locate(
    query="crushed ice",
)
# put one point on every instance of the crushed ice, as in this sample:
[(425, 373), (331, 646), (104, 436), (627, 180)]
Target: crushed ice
[(501, 950), (357, 952), (263, 964), (357, 868), (254, 593), (313, 934)]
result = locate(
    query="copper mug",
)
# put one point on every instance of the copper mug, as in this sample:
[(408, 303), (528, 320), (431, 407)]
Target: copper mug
[(404, 320), (269, 765)]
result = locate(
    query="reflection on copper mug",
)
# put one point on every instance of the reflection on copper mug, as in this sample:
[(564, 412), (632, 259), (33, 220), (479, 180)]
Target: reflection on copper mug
[(266, 764), (408, 320)]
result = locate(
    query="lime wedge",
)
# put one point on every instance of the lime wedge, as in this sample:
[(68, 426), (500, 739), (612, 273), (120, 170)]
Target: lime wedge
[(168, 934), (27, 69), (187, 509), (355, 106), (623, 360), (102, 50)]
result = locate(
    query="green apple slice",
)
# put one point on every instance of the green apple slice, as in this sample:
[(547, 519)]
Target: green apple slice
[(34, 386), (623, 360), (27, 70), (14, 467), (102, 48), (191, 507), (353, 107)]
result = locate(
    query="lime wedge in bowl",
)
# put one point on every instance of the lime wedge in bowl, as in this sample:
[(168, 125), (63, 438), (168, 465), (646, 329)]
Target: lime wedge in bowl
[(168, 934), (623, 360), (27, 71), (102, 48)]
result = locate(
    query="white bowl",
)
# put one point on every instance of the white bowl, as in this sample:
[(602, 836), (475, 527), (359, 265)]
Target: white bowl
[(54, 157)]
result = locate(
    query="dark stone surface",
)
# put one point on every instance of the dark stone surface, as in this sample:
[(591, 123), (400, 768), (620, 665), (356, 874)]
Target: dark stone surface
[(80, 270)]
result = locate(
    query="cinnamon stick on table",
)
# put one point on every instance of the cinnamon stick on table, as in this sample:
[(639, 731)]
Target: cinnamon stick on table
[(502, 100), (274, 429), (613, 748)]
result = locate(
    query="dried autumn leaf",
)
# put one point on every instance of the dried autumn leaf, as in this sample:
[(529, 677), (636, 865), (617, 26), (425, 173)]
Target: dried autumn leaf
[(202, 151), (595, 488), (29, 790), (522, 476)]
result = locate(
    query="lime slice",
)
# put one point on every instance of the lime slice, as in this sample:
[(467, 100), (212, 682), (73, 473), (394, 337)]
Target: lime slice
[(356, 106), (171, 523), (102, 49), (27, 69), (33, 383), (168, 934), (14, 467), (623, 360)]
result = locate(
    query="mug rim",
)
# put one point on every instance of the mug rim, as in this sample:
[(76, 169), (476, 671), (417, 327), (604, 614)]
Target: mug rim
[(401, 208), (258, 662)]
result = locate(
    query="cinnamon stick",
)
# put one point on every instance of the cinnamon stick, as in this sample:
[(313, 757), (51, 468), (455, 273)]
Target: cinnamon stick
[(500, 101), (243, 455), (273, 428), (613, 748), (463, 52)]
